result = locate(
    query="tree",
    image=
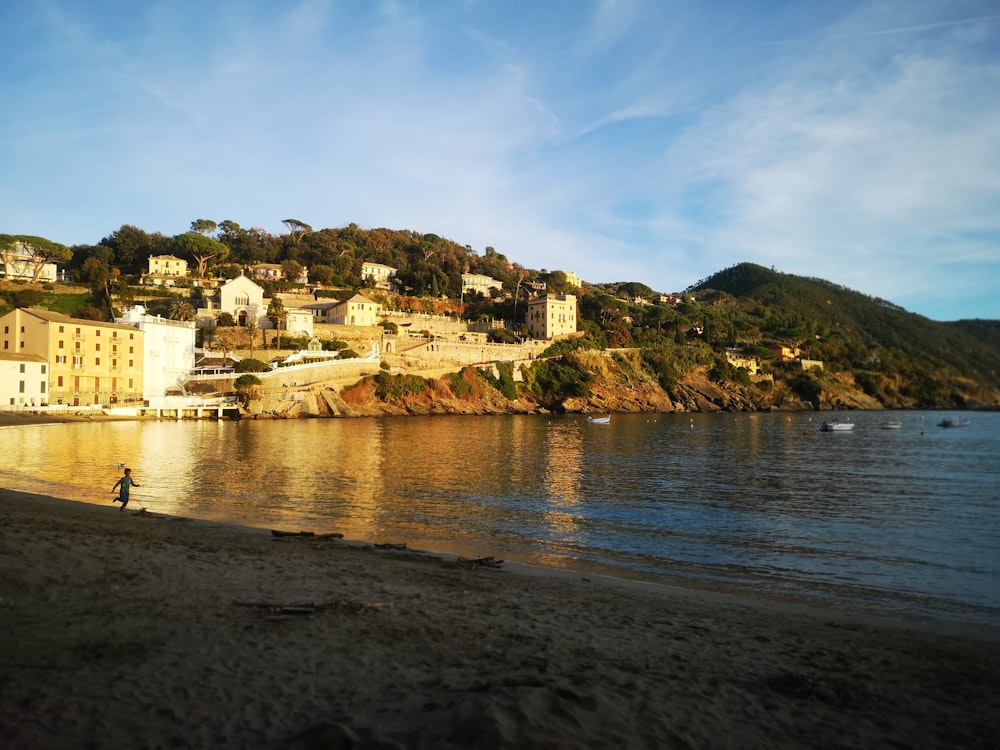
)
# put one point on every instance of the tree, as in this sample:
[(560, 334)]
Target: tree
[(201, 249), (297, 229), (182, 310), (37, 250), (276, 314), (203, 226), (292, 270), (251, 326), (321, 274), (132, 247)]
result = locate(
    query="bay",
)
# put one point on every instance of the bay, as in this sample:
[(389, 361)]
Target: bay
[(897, 521)]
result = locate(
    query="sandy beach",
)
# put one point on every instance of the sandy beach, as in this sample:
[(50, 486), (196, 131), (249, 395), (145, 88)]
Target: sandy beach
[(134, 630)]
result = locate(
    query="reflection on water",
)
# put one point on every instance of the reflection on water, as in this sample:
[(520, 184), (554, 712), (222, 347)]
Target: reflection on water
[(906, 518)]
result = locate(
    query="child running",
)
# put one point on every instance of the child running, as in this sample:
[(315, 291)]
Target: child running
[(123, 486)]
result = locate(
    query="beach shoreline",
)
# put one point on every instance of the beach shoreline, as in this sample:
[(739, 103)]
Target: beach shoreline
[(140, 630)]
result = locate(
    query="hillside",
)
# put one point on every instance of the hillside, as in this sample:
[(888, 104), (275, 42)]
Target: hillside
[(888, 350)]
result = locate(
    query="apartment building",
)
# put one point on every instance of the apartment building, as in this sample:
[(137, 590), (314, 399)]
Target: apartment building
[(89, 362)]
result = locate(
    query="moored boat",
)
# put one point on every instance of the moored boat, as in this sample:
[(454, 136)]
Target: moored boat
[(892, 424), (605, 419), (835, 425), (953, 423)]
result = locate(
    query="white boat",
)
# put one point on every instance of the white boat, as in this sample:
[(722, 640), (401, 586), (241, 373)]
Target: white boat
[(606, 419), (836, 426), (953, 423), (892, 424)]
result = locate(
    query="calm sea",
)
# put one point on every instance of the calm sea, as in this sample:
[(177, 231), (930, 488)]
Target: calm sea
[(904, 520)]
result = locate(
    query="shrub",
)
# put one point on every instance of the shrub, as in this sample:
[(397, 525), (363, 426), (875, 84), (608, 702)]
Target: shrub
[(246, 382), (251, 365)]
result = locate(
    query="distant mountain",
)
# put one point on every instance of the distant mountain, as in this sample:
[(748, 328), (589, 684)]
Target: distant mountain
[(855, 332)]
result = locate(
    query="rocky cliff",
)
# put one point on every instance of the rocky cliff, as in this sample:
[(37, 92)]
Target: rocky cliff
[(615, 385)]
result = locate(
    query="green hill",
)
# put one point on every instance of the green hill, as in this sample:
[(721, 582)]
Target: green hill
[(879, 342)]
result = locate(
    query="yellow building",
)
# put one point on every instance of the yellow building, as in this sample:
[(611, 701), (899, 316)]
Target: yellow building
[(551, 316), (90, 362)]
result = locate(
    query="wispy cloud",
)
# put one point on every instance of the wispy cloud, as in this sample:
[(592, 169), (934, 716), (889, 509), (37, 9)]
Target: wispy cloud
[(621, 139)]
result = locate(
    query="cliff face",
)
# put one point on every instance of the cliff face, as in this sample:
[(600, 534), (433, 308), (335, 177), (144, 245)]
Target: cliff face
[(614, 387)]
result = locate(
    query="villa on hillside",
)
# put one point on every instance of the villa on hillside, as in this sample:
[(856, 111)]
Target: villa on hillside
[(380, 275), (276, 272), (355, 311), (18, 262), (551, 316), (477, 282), (164, 270)]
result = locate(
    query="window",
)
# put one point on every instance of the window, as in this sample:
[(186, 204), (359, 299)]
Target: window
[(62, 344), (97, 384), (59, 381), (97, 347), (41, 387), (97, 361), (62, 330), (22, 367), (131, 363), (43, 369), (20, 387)]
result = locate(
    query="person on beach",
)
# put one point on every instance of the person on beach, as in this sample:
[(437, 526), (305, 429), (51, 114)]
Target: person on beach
[(123, 486)]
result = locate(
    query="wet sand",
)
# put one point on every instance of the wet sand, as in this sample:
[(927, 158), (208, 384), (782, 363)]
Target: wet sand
[(137, 630)]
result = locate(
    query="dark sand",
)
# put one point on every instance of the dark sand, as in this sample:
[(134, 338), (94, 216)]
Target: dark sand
[(127, 630)]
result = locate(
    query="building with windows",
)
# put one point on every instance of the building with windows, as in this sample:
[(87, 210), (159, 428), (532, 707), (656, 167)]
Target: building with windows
[(19, 262), (89, 362), (551, 316), (477, 282), (168, 352), (241, 298), (381, 276), (276, 272), (354, 311), (167, 265), (24, 380)]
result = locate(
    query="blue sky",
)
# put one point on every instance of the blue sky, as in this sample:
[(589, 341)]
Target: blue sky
[(626, 140)]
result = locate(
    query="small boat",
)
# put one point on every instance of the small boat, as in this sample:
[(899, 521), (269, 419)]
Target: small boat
[(606, 419), (836, 426), (892, 424), (953, 423)]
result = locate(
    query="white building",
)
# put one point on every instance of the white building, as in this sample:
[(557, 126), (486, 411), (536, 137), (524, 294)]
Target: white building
[(168, 351), (18, 262), (23, 380), (477, 282), (243, 299), (298, 322), (380, 275)]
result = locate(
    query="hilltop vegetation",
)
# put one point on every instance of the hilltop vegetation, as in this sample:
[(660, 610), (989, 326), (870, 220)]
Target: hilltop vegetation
[(874, 353)]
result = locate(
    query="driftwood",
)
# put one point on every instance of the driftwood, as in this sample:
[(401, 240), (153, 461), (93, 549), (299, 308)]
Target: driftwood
[(279, 612), (480, 562), (305, 535)]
